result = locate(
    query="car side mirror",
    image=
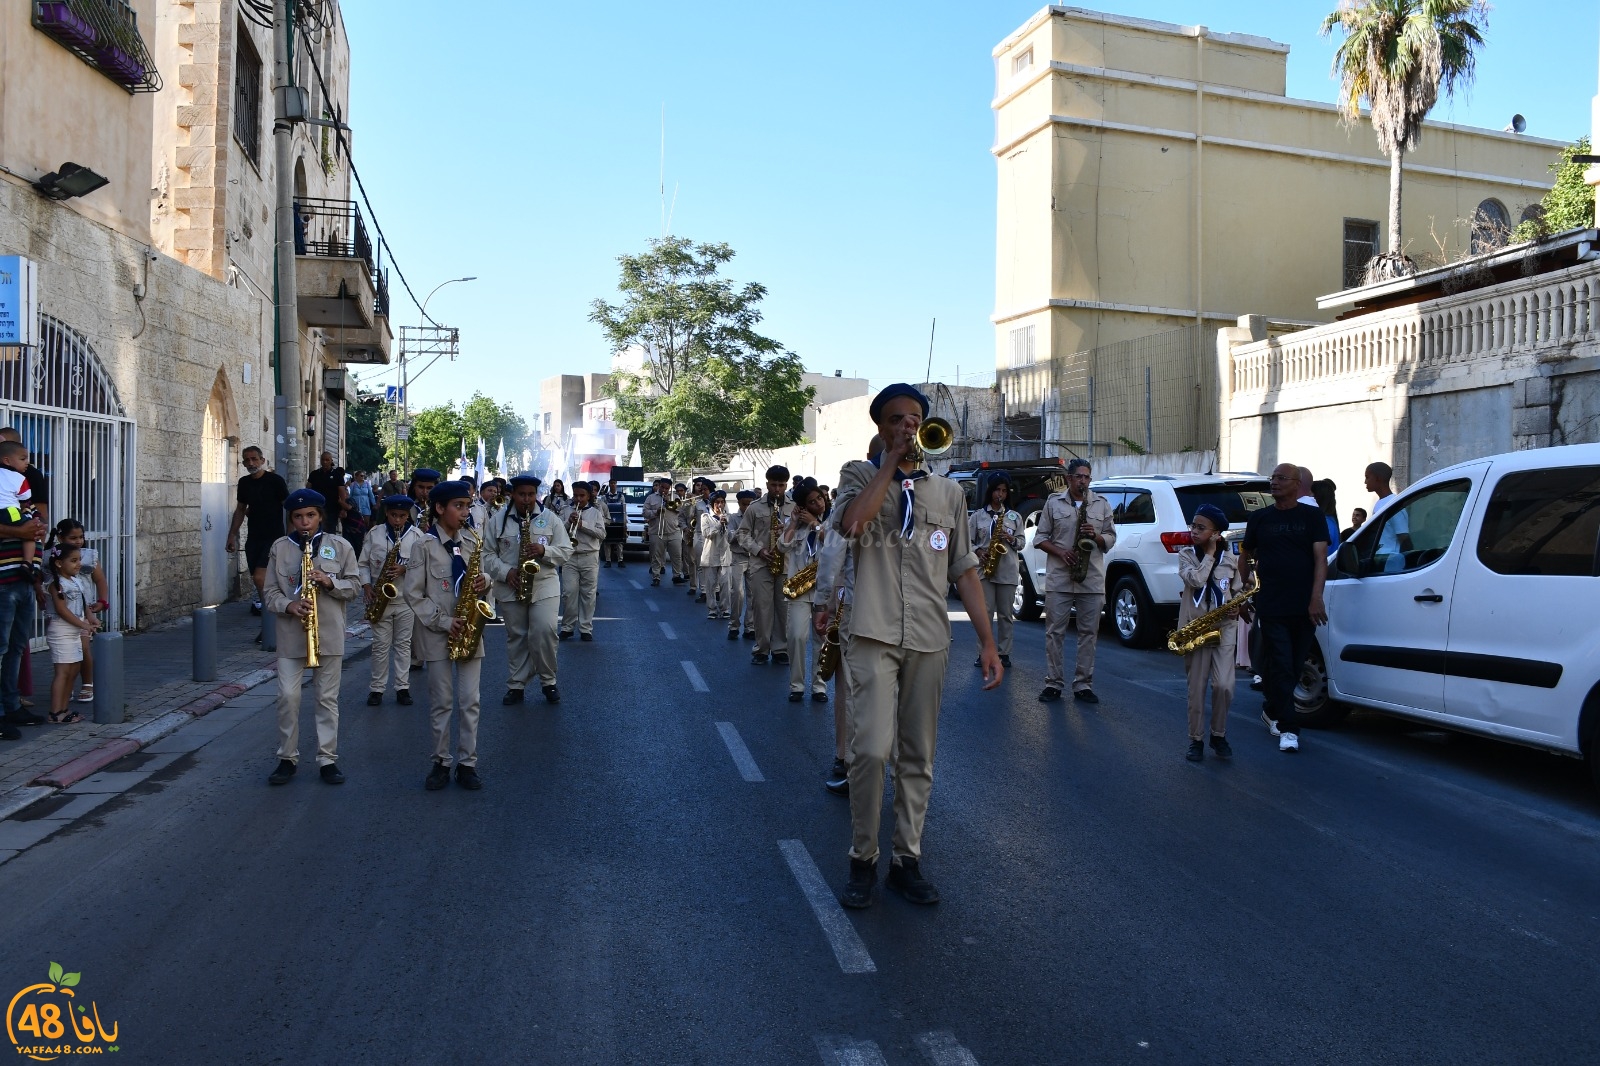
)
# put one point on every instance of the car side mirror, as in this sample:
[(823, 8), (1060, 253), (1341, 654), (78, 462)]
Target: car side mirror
[(1348, 560)]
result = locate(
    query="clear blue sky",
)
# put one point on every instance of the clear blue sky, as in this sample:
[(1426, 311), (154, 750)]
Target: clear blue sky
[(842, 149)]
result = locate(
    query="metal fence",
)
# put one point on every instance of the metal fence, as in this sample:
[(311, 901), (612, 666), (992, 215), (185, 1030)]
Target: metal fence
[(1151, 394)]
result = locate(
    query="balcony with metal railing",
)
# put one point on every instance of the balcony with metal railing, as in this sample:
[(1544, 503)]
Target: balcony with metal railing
[(344, 288), (105, 35)]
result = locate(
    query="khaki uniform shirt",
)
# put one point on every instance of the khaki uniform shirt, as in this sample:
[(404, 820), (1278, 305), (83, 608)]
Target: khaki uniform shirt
[(479, 513), (503, 555), (588, 529), (901, 583), (1194, 572), (755, 531), (332, 555), (979, 525), (660, 521), (375, 549), (797, 555), (734, 522), (429, 588), (1057, 521), (715, 546)]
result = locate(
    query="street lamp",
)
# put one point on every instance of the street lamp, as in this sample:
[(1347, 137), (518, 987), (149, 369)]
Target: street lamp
[(403, 399)]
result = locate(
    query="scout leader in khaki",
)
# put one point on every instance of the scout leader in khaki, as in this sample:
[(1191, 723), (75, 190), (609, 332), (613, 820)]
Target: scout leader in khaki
[(586, 525), (1058, 522), (530, 626), (909, 535), (335, 580), (391, 634), (766, 589), (433, 582)]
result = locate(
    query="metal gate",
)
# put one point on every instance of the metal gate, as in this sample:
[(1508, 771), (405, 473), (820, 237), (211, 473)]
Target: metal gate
[(62, 402)]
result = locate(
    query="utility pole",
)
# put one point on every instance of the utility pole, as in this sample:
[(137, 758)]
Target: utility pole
[(289, 409)]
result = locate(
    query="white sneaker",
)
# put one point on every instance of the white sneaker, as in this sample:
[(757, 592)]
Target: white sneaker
[(1272, 727), (1288, 742)]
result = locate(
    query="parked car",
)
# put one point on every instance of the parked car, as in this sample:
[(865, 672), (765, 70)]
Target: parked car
[(1152, 513), (1472, 602), (633, 493), (1032, 481)]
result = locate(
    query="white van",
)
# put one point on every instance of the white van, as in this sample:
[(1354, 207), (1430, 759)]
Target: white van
[(1472, 601)]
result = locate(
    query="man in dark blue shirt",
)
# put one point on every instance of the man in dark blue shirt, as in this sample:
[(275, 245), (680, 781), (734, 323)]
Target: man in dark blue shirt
[(1287, 546)]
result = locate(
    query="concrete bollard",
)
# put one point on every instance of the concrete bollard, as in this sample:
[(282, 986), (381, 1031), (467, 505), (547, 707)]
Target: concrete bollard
[(108, 702), (269, 631), (205, 643)]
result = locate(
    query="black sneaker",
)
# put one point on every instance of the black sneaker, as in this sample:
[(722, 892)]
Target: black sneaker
[(403, 697), (1197, 751), (655, 582), (438, 777), (255, 610), (1050, 695), (758, 659), (374, 698), (331, 775), (24, 718), (819, 697), (978, 662), (513, 695), (1086, 695), (565, 634), (678, 579), (551, 694), (281, 775), (905, 877), (838, 779), (1220, 747), (796, 697), (781, 658), (585, 636), (608, 564), (467, 777), (749, 634), (858, 891), (700, 598), (9, 732), (1005, 661), (733, 634)]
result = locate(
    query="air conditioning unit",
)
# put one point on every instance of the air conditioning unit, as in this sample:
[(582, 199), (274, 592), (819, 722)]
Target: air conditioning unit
[(335, 383)]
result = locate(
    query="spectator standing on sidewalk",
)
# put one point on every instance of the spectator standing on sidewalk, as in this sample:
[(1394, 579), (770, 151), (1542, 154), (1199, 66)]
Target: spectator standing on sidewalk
[(328, 482), (1287, 545), (260, 499), (363, 507), (72, 607), (1358, 518), (394, 486), (16, 625), (69, 534)]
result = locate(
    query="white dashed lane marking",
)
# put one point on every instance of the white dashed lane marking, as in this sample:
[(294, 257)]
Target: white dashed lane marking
[(842, 937), (666, 631), (940, 1049), (697, 682), (652, 605), (634, 583), (741, 754), (843, 1051)]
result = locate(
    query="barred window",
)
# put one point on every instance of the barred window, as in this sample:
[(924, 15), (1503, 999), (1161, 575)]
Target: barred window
[(1360, 245), (1022, 346), (247, 98)]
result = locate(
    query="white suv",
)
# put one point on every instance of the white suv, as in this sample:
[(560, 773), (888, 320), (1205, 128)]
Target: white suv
[(1472, 601), (1152, 513)]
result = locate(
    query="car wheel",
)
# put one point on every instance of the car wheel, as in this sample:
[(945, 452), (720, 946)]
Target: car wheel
[(1132, 613), (1025, 603), (1312, 704)]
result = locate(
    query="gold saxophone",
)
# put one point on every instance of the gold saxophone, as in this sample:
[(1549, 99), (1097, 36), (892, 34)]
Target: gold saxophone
[(802, 582), (471, 611), (828, 657), (997, 548), (308, 596), (1206, 631), (384, 592), (527, 567), (1082, 543), (775, 557)]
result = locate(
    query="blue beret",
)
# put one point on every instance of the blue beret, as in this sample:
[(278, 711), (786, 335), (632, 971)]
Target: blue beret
[(425, 474), (747, 494), (1213, 513), (445, 491), (398, 503), (304, 498), (524, 481), (999, 477), (719, 495), (890, 392)]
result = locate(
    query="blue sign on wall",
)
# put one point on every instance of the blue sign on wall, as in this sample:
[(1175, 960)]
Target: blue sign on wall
[(394, 394), (19, 300)]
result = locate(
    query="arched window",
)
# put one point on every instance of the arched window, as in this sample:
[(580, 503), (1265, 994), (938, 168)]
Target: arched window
[(1491, 226)]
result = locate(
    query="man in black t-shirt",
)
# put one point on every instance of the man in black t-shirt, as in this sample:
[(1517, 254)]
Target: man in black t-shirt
[(328, 480), (1287, 546), (261, 495)]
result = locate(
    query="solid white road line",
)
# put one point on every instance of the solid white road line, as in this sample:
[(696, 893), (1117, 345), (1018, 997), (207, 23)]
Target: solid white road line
[(653, 608), (666, 631), (697, 682), (940, 1049), (741, 754), (634, 583), (847, 946), (842, 1051)]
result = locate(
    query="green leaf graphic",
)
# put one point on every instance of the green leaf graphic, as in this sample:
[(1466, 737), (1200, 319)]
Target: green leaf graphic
[(70, 979), (83, 1010), (55, 972)]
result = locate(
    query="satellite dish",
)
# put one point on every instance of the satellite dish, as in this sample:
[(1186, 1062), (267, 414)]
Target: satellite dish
[(1518, 125)]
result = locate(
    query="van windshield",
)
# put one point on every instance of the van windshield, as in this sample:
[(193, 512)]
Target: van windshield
[(1236, 498), (634, 493)]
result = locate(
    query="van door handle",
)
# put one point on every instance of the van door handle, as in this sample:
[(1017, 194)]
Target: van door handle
[(1429, 597)]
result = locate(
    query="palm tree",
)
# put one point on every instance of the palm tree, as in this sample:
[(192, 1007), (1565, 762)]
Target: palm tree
[(1396, 56)]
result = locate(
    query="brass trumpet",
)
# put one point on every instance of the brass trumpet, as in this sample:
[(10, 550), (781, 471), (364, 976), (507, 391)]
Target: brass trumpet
[(934, 437)]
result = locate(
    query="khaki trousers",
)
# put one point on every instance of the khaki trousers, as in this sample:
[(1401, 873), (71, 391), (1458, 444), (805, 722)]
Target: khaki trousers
[(611, 551), (843, 728), (325, 693), (1214, 666), (665, 554), (392, 635), (580, 577), (999, 599), (1057, 607), (894, 712), (531, 640), (766, 603), (465, 691), (716, 585), (736, 590), (685, 560), (799, 625)]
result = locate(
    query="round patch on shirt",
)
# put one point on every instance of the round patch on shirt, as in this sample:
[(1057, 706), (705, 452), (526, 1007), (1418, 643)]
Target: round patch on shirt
[(327, 551), (938, 540), (543, 542), (541, 522)]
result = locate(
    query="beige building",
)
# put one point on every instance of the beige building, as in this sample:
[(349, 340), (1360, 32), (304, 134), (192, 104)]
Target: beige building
[(151, 364), (1156, 178)]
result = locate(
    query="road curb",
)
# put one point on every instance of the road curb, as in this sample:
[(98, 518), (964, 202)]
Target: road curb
[(70, 773)]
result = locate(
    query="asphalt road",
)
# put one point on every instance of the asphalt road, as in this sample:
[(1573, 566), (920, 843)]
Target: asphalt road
[(620, 892)]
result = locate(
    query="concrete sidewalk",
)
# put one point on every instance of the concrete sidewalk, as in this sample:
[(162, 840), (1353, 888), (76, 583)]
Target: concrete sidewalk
[(159, 698)]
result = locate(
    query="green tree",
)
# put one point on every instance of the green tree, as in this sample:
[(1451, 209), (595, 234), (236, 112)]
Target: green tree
[(1569, 204), (710, 383), (435, 438), (482, 417), (364, 441), (1397, 55)]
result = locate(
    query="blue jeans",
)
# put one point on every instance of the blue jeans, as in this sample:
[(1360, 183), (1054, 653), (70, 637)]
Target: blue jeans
[(16, 629)]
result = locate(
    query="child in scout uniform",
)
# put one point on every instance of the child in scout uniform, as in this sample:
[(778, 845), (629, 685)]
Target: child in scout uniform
[(335, 580), (432, 585), (801, 542), (716, 556), (1210, 575), (586, 524), (391, 634), (999, 588), (531, 620)]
